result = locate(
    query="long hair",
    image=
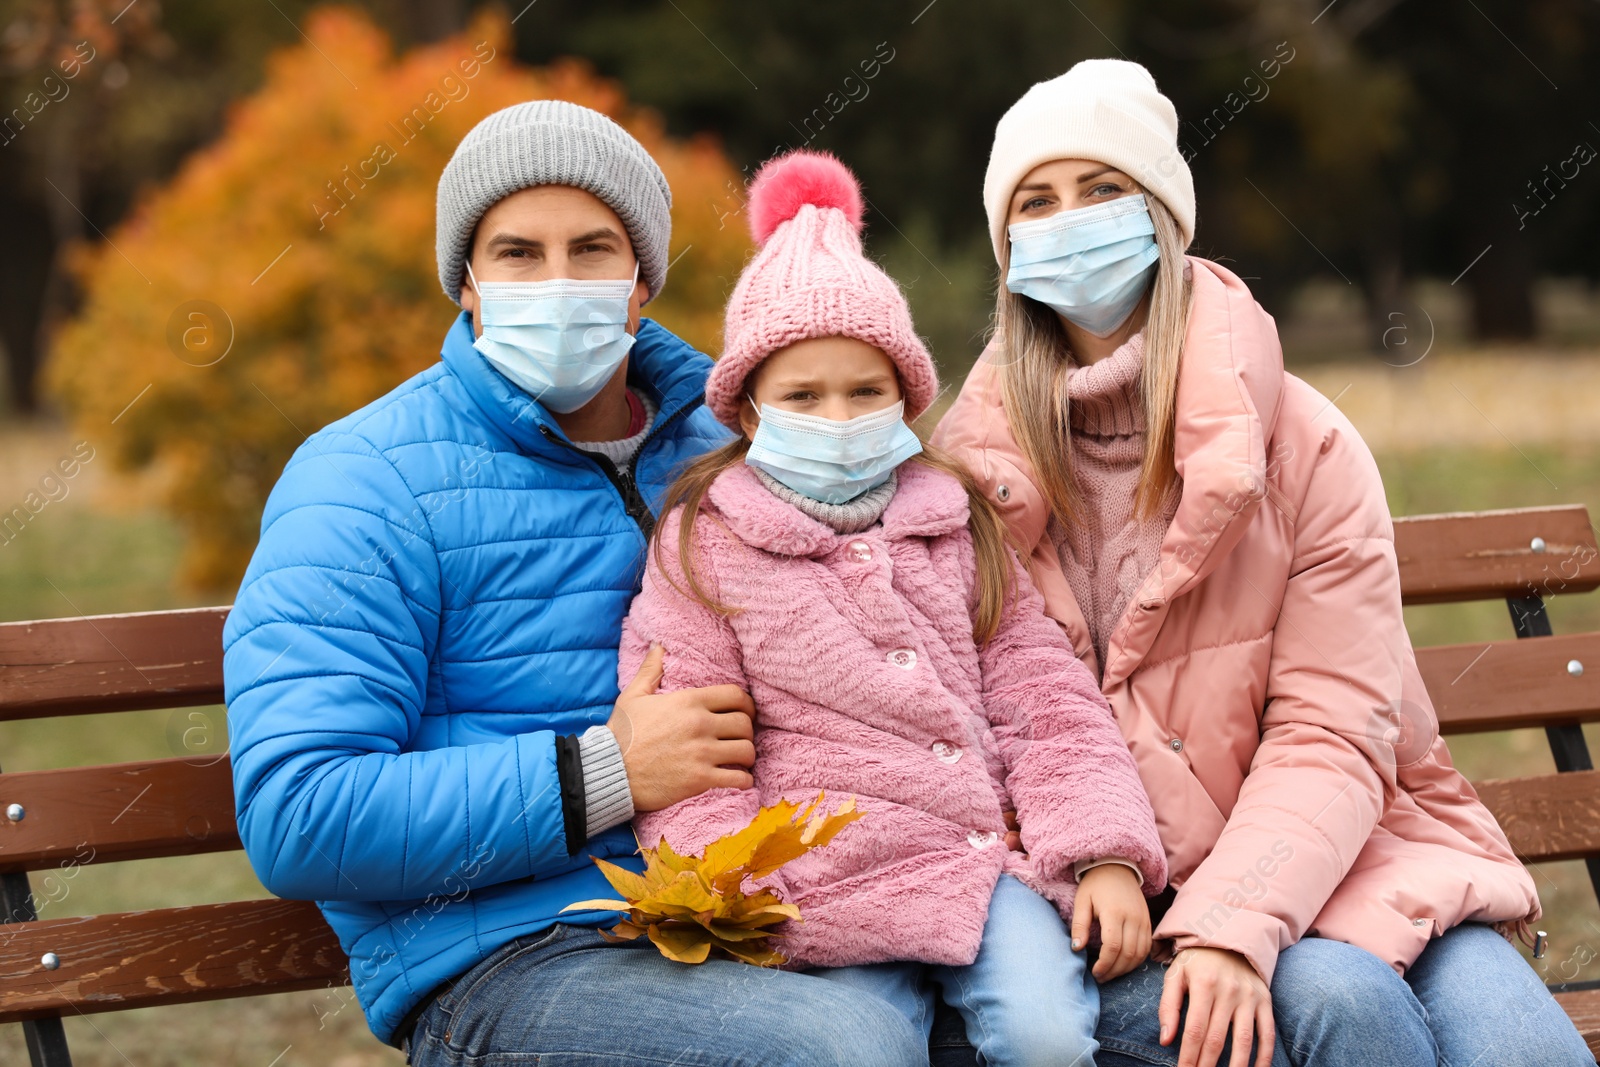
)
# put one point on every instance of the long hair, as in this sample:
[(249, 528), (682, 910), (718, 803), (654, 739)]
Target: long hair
[(1033, 377), (990, 545)]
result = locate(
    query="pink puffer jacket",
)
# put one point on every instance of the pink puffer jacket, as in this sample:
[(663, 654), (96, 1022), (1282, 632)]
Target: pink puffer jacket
[(1261, 671), (858, 651)]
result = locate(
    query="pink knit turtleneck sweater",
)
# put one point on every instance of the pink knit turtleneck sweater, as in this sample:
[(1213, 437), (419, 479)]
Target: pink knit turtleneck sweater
[(1108, 554)]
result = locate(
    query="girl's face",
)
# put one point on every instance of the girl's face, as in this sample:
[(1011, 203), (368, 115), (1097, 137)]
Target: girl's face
[(1065, 184), (836, 378)]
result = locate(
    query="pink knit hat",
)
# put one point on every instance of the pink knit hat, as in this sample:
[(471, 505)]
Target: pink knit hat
[(811, 279)]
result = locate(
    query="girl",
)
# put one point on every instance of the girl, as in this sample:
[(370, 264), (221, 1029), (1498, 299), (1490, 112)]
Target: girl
[(1213, 537), (896, 653)]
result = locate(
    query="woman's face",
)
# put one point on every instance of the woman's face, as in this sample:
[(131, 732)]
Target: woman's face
[(1065, 184), (837, 378)]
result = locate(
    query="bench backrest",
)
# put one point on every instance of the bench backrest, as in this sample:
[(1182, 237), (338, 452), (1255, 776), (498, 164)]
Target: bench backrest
[(182, 806)]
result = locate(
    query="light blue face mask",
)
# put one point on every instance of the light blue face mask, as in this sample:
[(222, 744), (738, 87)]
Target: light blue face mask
[(559, 340), (1092, 264), (828, 460)]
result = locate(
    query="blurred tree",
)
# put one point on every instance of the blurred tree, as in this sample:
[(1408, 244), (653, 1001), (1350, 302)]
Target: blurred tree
[(155, 90), (60, 65), (1511, 90), (285, 276), (1394, 142)]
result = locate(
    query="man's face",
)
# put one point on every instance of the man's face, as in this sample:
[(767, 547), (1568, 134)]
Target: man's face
[(551, 231)]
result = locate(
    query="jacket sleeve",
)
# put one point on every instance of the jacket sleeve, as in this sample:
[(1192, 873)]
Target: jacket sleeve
[(701, 650), (1068, 769), (326, 670), (1317, 783)]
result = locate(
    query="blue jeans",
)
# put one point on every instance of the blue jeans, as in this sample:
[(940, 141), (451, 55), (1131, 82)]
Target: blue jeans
[(565, 997), (1470, 999), (1027, 999)]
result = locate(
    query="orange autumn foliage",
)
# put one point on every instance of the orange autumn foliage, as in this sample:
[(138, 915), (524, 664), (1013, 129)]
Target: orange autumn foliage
[(691, 907), (285, 276)]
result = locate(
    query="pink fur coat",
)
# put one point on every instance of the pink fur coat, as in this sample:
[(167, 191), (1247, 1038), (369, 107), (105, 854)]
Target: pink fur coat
[(858, 652)]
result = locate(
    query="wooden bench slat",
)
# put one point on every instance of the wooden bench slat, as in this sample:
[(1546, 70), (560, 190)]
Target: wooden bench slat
[(1583, 1007), (139, 959), (1547, 817), (121, 811), (1487, 554), (96, 663), (1504, 685)]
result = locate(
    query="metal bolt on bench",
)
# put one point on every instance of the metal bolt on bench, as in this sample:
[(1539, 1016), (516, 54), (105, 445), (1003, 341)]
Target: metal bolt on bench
[(80, 965)]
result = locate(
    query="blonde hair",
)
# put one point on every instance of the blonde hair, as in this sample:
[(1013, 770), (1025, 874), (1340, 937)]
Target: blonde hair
[(1032, 361), (989, 537)]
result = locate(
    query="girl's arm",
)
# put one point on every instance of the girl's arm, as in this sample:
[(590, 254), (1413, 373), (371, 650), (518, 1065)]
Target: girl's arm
[(1075, 785), (701, 650), (1316, 785)]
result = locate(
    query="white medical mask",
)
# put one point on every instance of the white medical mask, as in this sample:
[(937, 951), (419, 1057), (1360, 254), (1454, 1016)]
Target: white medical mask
[(1091, 265), (559, 340), (828, 460)]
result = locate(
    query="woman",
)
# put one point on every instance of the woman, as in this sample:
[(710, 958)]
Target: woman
[(1212, 535)]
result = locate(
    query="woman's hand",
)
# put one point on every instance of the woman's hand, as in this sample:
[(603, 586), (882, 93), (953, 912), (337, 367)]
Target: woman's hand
[(1111, 893), (1224, 990)]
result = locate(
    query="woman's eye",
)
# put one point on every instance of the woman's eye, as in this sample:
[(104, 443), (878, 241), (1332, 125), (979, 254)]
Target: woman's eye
[(1036, 203), (1105, 189)]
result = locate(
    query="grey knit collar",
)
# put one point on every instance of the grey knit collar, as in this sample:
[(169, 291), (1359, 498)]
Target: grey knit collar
[(852, 516), (622, 452)]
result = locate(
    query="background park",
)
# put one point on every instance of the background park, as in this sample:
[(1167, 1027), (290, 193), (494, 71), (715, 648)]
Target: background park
[(218, 237)]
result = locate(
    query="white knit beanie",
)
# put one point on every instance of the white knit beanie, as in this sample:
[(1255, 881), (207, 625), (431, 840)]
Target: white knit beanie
[(1107, 110)]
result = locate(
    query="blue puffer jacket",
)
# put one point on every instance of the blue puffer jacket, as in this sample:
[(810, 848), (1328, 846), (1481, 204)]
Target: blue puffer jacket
[(437, 596)]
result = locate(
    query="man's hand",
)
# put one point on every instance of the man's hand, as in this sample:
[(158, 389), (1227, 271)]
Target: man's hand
[(1224, 990), (678, 745), (1111, 893)]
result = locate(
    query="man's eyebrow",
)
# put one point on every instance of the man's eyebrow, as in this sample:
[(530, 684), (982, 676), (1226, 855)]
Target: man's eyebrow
[(595, 235), (502, 239)]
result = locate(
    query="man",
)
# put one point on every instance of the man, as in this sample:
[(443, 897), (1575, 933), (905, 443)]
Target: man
[(421, 661)]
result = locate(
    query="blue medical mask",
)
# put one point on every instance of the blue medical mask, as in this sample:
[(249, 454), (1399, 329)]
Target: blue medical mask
[(559, 340), (828, 460), (1092, 264)]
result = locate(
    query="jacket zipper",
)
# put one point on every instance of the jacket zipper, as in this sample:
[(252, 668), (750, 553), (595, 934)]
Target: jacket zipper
[(624, 482)]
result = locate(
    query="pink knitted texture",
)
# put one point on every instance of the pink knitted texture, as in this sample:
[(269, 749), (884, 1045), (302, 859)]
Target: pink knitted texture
[(1107, 554), (858, 651), (812, 279)]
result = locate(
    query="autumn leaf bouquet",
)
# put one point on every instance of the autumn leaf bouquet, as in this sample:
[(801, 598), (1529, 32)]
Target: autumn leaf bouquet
[(690, 907)]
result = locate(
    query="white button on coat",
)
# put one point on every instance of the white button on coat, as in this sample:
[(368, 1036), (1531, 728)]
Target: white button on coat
[(982, 838), (904, 658), (860, 551), (947, 751)]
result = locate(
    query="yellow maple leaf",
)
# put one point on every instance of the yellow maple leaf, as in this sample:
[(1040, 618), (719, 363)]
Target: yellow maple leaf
[(691, 907)]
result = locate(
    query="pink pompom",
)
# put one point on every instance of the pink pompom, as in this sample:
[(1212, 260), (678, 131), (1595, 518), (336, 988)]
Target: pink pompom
[(785, 185)]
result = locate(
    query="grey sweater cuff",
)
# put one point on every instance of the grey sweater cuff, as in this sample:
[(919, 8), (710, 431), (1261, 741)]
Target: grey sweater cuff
[(608, 801)]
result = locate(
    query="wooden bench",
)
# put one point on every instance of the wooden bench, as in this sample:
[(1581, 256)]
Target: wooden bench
[(54, 967)]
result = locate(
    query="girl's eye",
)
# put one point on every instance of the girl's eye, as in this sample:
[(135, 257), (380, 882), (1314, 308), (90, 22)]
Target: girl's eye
[(797, 395), (869, 390)]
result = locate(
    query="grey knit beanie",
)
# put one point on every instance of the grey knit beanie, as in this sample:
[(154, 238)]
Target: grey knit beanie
[(552, 142)]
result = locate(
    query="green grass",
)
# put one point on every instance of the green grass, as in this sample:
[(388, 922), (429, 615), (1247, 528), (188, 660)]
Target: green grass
[(73, 559)]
